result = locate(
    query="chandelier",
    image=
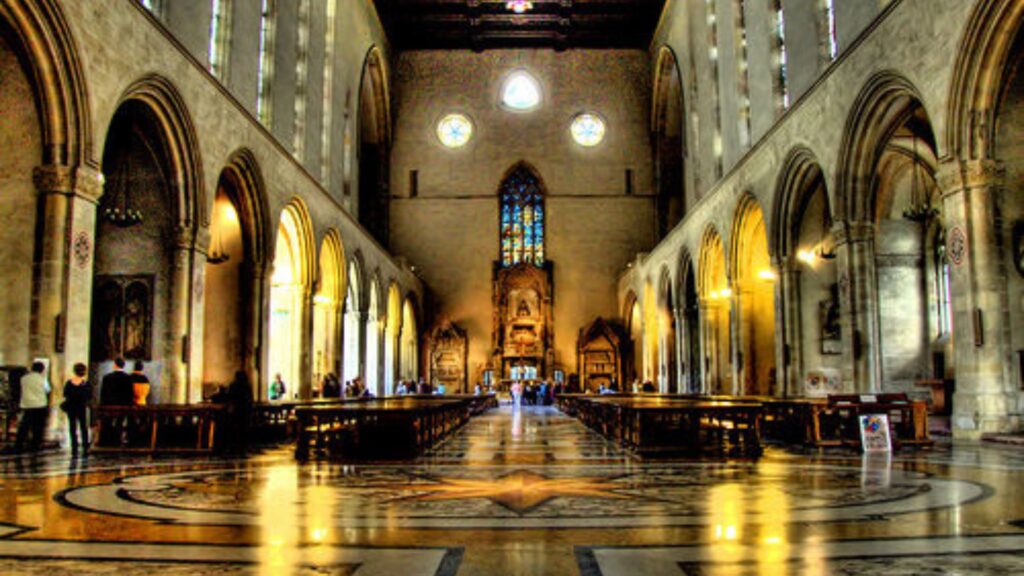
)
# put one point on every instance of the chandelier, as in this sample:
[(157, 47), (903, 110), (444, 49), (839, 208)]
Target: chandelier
[(119, 209), (519, 6), (920, 209)]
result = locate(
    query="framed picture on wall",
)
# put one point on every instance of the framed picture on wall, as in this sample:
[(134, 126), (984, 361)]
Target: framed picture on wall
[(122, 321), (828, 317)]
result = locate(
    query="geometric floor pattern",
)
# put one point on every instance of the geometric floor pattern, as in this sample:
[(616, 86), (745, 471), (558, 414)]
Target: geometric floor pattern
[(518, 492)]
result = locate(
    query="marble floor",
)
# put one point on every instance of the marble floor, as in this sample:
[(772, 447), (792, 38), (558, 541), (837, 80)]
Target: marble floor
[(518, 492)]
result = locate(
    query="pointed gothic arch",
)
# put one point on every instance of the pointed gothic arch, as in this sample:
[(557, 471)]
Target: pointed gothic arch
[(668, 125)]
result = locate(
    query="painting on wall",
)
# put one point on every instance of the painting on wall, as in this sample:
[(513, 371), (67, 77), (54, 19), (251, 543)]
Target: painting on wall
[(828, 315), (122, 319)]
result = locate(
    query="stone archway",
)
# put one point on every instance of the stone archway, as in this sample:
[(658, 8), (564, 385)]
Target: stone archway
[(374, 146), (146, 262), (328, 304), (754, 288), (290, 289), (234, 274), (808, 281), (716, 310), (669, 130), (354, 318)]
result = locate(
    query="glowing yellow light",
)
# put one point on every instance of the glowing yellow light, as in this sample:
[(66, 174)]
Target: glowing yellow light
[(767, 275), (773, 540), (806, 256), (321, 299), (519, 6), (725, 293)]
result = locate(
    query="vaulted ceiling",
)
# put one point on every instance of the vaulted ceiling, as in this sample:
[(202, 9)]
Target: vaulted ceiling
[(484, 24)]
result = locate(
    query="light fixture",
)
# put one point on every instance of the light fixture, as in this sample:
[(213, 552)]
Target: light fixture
[(227, 215), (768, 275), (519, 6), (119, 210), (806, 256), (920, 209)]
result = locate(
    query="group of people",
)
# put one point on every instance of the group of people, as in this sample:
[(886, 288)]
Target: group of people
[(542, 394), (331, 387), (119, 388)]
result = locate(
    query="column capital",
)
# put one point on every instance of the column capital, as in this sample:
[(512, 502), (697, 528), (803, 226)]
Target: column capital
[(846, 232), (185, 237), (83, 181), (202, 240), (956, 175)]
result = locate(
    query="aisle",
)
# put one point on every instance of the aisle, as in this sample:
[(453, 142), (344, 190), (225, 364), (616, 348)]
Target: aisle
[(527, 492)]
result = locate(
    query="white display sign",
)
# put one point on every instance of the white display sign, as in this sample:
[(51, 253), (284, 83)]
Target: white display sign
[(874, 433)]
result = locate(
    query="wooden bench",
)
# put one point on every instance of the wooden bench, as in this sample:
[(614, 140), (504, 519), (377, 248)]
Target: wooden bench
[(838, 422), (158, 428)]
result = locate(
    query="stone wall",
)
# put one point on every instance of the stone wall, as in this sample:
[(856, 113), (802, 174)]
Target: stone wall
[(214, 126), (449, 230)]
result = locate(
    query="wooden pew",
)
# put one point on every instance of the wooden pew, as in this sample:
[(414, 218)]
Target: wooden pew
[(393, 427), (159, 428), (838, 422)]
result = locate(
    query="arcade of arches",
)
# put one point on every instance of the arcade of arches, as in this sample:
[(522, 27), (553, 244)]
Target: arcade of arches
[(281, 205)]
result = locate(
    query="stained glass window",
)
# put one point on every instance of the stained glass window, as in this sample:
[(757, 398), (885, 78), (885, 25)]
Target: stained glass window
[(521, 92), (454, 130), (943, 292), (587, 129), (522, 219)]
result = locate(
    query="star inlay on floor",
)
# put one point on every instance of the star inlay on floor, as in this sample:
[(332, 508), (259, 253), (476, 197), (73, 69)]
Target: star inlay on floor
[(519, 491)]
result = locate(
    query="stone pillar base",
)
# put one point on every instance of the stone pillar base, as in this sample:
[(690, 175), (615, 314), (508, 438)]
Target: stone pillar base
[(977, 414)]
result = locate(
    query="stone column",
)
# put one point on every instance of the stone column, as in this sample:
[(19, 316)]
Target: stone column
[(678, 319), (62, 294), (734, 354), (177, 348), (257, 351), (197, 317), (256, 327), (971, 197), (705, 332), (858, 296), (789, 353), (305, 342), (361, 322), (741, 330)]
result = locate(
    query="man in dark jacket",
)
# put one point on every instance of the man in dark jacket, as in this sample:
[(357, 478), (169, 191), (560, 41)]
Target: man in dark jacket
[(117, 388)]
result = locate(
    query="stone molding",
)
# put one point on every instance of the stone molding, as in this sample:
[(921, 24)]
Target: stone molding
[(956, 176), (86, 182)]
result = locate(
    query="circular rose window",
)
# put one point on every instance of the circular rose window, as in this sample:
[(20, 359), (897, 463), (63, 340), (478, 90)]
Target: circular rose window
[(587, 129), (454, 130)]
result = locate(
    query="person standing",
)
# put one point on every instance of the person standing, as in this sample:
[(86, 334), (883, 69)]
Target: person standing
[(277, 388), (116, 389), (77, 397), (240, 400), (35, 405), (140, 384)]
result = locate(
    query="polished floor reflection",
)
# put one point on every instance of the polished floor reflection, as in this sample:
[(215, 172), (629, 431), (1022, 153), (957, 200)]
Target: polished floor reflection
[(519, 492)]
